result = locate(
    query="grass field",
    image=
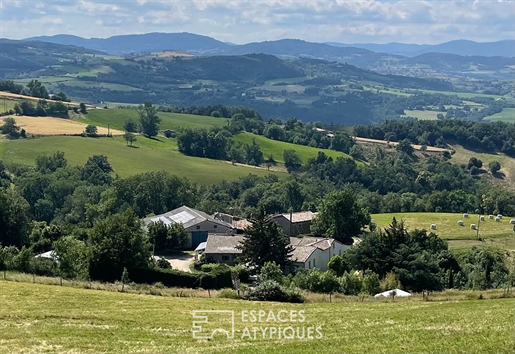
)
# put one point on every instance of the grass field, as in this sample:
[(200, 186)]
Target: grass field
[(55, 126), (493, 233), (44, 318), (6, 105), (117, 117), (507, 115), (507, 172), (148, 155), (424, 115), (276, 148), (460, 94)]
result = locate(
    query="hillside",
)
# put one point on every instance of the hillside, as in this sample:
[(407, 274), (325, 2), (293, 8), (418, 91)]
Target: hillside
[(62, 320), (386, 58), (492, 233), (116, 118), (147, 155), (276, 148)]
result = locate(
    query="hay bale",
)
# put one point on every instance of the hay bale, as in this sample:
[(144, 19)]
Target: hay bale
[(433, 226), (482, 218), (473, 226), (465, 215), (460, 222), (490, 217), (512, 221), (372, 222), (497, 219), (499, 216)]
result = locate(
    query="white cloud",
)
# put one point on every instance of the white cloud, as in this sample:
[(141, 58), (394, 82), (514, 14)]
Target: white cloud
[(242, 21)]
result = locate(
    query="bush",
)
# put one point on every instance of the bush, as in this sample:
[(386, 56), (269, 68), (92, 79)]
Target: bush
[(215, 268), (162, 263), (228, 294), (271, 271), (317, 281), (350, 284), (270, 290), (243, 273), (177, 278)]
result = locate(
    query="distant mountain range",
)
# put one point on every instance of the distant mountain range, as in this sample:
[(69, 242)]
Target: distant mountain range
[(505, 48), (201, 45)]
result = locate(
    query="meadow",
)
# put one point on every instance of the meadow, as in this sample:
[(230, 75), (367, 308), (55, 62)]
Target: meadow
[(47, 318), (505, 176), (424, 115), (55, 126), (117, 117), (147, 155), (276, 148), (507, 115), (492, 233)]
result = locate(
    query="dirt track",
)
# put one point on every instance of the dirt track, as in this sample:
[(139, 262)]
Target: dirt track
[(416, 147)]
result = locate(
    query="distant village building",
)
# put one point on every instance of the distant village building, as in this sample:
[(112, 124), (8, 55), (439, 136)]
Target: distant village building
[(308, 252), (294, 224), (196, 223)]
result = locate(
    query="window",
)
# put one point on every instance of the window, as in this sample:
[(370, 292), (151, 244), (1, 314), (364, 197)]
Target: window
[(309, 264), (333, 245), (215, 226), (314, 265), (225, 258), (339, 252), (198, 227)]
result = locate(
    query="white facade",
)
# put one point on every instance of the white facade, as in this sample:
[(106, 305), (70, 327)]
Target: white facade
[(320, 257)]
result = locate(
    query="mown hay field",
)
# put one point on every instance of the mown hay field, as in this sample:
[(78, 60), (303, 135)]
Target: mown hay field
[(491, 233), (45, 318), (55, 126)]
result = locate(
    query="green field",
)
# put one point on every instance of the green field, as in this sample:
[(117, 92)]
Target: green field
[(276, 148), (493, 233), (117, 117), (507, 172), (6, 105), (460, 94), (45, 318), (148, 155), (507, 115), (423, 115)]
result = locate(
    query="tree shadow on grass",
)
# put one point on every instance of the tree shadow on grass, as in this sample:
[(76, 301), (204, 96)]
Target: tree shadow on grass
[(499, 175)]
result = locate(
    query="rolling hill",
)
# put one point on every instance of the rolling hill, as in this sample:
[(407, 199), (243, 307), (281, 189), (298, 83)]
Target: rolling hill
[(147, 155)]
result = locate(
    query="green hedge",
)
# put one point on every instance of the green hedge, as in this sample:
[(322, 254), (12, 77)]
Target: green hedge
[(177, 278)]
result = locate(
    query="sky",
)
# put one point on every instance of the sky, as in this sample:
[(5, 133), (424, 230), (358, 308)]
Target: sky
[(244, 21)]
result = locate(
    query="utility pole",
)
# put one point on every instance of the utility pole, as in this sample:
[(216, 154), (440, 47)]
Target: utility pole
[(478, 221)]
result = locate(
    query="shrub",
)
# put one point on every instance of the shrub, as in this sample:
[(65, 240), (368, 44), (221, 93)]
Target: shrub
[(228, 294), (317, 281), (243, 273), (271, 271), (350, 284), (270, 290), (214, 268), (162, 263)]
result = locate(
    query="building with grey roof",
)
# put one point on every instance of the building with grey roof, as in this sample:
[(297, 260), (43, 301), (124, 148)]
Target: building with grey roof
[(196, 223)]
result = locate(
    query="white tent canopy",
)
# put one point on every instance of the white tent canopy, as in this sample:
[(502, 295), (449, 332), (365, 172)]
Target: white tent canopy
[(398, 292)]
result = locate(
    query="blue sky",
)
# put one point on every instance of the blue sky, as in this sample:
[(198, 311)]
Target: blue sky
[(243, 21)]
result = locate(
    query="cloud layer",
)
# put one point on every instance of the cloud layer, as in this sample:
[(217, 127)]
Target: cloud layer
[(243, 21)]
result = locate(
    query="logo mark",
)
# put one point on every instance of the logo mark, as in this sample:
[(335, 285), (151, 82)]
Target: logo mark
[(206, 323)]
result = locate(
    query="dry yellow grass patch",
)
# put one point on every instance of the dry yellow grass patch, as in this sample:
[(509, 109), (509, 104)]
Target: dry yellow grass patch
[(55, 126)]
